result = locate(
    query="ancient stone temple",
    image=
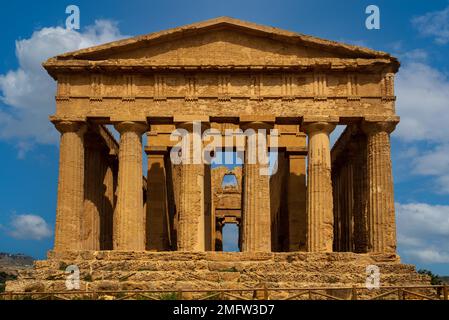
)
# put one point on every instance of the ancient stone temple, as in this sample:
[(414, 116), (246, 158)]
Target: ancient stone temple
[(326, 209)]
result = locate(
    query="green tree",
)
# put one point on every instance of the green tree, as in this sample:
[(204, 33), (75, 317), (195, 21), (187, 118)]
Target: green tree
[(435, 279)]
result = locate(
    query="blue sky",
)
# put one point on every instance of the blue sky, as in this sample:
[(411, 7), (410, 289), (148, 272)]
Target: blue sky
[(415, 31)]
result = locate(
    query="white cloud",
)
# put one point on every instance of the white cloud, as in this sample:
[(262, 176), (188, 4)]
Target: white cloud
[(29, 91), (22, 148), (423, 232), (423, 103), (435, 163), (417, 55), (29, 227), (434, 24), (410, 152), (430, 255)]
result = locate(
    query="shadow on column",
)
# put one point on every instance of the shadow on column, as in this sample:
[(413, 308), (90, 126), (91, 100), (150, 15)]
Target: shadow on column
[(99, 192), (157, 215)]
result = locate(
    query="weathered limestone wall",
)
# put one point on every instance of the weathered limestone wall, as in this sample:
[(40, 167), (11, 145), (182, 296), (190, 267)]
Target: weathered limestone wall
[(278, 203), (238, 68)]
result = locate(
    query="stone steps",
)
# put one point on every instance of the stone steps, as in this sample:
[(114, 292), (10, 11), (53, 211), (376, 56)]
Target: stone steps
[(110, 285), (108, 270), (344, 257), (236, 266), (206, 275)]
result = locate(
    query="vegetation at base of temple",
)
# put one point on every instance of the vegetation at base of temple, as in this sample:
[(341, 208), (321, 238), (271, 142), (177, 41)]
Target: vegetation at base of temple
[(4, 276), (435, 279), (169, 296), (9, 266)]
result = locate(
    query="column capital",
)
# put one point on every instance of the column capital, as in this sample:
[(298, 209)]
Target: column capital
[(65, 126), (187, 122), (370, 127), (189, 125), (257, 125), (319, 126), (131, 126)]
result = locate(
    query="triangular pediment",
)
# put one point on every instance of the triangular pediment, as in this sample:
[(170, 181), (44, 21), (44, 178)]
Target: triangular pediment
[(221, 41)]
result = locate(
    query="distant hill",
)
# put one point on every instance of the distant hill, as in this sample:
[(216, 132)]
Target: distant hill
[(8, 260), (10, 264), (445, 279)]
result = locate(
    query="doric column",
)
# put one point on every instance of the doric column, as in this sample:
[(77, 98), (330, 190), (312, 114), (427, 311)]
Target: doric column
[(256, 216), (319, 188), (70, 186), (381, 214), (296, 198), (192, 194), (129, 218), (158, 236)]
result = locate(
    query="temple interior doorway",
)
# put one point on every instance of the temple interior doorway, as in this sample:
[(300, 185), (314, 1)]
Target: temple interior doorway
[(230, 237)]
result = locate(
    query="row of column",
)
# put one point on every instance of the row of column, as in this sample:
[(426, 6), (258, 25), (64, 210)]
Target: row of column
[(72, 210), (129, 222), (379, 200)]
